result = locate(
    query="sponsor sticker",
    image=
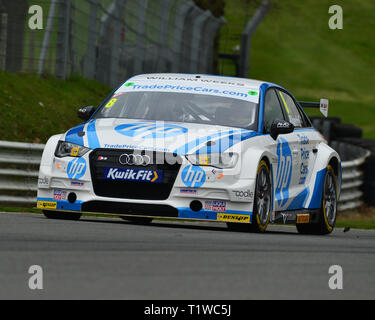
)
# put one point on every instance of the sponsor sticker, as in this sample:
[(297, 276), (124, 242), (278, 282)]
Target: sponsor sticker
[(133, 175), (215, 175), (246, 195), (43, 181), (193, 176), (284, 172), (77, 184), (215, 205), (47, 205), (60, 195), (226, 217), (74, 151), (188, 191), (324, 107), (303, 218), (76, 168), (60, 165)]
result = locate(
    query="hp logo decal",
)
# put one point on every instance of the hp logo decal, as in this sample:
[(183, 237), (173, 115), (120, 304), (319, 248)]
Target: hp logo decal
[(76, 168), (193, 177), (151, 130), (284, 171)]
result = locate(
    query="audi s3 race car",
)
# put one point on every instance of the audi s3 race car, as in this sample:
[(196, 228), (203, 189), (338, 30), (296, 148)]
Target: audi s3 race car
[(196, 147)]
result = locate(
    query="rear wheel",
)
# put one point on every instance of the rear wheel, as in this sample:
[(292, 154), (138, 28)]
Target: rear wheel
[(74, 216), (328, 211)]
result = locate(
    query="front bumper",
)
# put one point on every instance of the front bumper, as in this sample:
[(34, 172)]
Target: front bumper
[(225, 195)]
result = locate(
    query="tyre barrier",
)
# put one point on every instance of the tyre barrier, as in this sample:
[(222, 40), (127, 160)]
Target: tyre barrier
[(368, 168), (332, 128), (19, 167), (353, 159)]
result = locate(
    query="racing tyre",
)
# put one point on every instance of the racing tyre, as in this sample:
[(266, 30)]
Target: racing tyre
[(262, 199), (137, 220), (328, 211), (62, 215), (262, 205)]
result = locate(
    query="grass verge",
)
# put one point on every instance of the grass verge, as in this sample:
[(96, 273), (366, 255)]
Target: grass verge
[(33, 108)]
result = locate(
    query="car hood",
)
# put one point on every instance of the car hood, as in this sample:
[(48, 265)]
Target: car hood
[(165, 136)]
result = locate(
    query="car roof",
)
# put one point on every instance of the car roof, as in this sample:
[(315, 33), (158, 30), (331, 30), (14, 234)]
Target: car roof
[(231, 81)]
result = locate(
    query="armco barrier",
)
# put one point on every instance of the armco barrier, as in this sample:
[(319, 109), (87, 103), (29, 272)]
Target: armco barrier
[(19, 166)]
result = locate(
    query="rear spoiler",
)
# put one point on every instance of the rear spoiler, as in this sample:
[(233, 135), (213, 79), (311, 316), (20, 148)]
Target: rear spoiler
[(322, 105)]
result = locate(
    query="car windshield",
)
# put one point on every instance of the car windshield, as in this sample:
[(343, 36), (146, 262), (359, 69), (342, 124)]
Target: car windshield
[(181, 107)]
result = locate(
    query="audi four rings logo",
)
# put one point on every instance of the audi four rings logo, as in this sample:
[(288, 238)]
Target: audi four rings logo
[(135, 160)]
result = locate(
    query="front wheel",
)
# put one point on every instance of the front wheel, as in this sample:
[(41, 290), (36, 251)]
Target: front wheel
[(328, 211), (74, 216), (262, 200), (262, 205)]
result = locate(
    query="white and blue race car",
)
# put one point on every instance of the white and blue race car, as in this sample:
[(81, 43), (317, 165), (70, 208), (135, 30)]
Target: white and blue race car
[(195, 147)]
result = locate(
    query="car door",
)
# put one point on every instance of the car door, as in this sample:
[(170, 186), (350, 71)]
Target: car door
[(303, 145), (285, 150)]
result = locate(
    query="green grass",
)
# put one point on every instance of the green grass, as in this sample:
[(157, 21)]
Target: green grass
[(294, 47), (368, 224), (32, 109)]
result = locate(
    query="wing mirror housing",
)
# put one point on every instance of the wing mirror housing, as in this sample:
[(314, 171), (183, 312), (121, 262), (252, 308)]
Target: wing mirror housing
[(281, 127), (85, 113)]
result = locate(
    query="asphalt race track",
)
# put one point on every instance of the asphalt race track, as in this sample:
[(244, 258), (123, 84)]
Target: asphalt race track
[(98, 258)]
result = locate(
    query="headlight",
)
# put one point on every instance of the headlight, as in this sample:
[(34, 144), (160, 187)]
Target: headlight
[(67, 149), (218, 160)]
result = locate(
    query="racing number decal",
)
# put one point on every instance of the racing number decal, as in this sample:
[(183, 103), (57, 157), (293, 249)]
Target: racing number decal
[(284, 172), (111, 103)]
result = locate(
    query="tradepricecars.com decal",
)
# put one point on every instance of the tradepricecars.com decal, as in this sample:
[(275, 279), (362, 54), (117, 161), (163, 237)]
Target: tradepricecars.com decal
[(221, 90)]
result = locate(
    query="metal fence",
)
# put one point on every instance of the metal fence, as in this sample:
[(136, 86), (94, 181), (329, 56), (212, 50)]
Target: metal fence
[(108, 40), (19, 165)]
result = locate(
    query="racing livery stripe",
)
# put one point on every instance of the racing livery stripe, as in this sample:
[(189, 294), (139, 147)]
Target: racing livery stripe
[(93, 141), (187, 213), (263, 89), (73, 137), (316, 200), (225, 143), (185, 149), (300, 200)]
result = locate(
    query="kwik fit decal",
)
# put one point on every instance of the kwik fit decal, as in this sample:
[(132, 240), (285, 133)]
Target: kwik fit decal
[(133, 175)]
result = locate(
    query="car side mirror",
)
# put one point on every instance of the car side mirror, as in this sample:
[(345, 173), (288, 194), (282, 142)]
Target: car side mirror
[(281, 127), (85, 113)]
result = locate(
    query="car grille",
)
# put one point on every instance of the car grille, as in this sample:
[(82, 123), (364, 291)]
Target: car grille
[(109, 158)]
